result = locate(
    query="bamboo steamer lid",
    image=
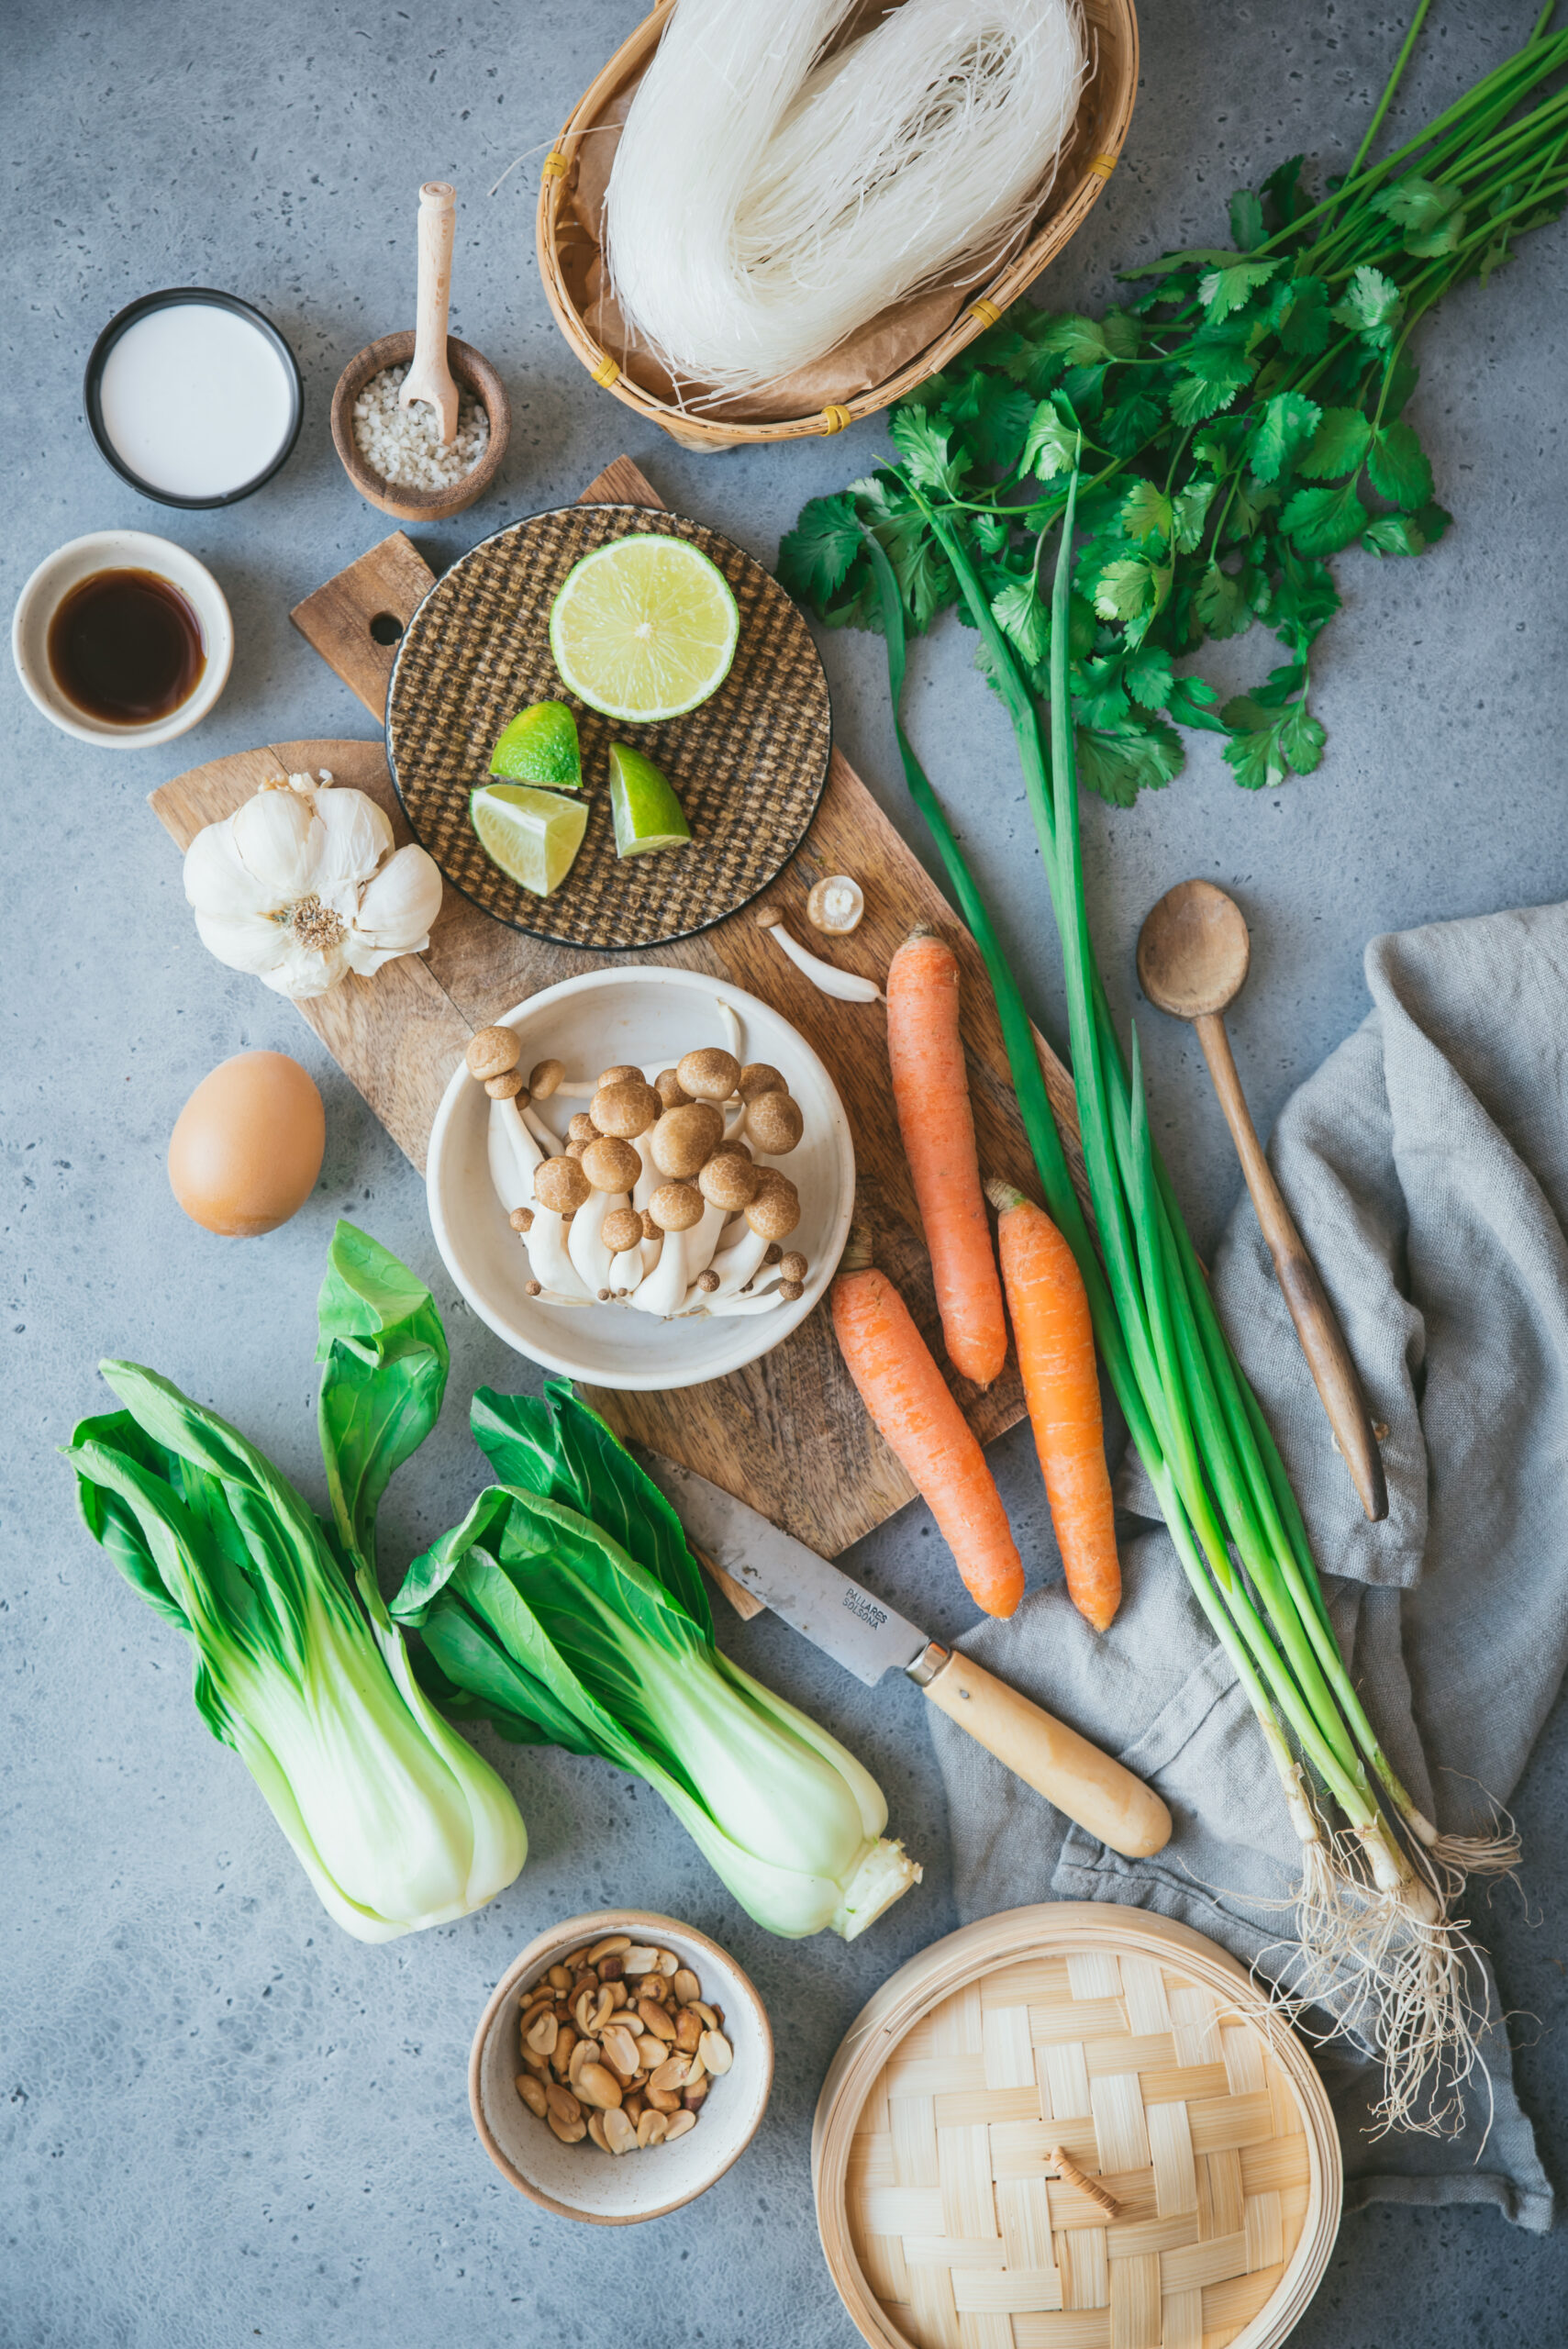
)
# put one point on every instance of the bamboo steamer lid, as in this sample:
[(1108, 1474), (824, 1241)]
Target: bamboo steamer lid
[(1152, 2061)]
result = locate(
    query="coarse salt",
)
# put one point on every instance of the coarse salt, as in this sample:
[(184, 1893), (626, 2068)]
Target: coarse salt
[(402, 445)]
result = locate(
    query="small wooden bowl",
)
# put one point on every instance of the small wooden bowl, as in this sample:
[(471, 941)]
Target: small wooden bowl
[(1155, 2064), (473, 374), (579, 2181)]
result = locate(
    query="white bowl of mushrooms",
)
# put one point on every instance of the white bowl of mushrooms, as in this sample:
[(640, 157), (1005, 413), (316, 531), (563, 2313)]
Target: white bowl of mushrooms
[(642, 1178)]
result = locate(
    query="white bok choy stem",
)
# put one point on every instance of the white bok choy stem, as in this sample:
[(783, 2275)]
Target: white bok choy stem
[(567, 1607), (397, 1822)]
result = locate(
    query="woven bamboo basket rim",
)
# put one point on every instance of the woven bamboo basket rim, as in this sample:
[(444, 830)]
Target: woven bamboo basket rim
[(1108, 103), (1221, 2147)]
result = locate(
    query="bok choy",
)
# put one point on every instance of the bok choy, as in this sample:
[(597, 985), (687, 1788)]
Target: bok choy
[(567, 1609), (395, 1820)]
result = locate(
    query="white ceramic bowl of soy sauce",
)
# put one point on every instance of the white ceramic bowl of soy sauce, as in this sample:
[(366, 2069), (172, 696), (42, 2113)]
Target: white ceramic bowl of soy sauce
[(200, 602)]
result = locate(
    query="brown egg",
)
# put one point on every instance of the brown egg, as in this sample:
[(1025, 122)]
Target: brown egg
[(246, 1149)]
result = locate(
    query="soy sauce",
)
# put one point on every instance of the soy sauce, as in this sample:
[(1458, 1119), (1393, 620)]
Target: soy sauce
[(126, 647)]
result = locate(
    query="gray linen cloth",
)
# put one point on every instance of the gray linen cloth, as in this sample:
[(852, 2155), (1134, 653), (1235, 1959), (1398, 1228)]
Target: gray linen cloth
[(1426, 1163)]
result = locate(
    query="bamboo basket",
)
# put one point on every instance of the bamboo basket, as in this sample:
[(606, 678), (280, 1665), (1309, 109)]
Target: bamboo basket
[(1199, 2197), (568, 248)]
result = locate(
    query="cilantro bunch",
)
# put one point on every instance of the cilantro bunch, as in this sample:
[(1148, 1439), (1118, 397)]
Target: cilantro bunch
[(1242, 419)]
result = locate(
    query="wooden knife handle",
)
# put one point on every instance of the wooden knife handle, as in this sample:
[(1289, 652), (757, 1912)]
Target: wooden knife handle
[(1104, 1798), (1322, 1339)]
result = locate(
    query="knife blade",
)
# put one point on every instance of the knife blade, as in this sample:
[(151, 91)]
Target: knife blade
[(825, 1605), (870, 1639)]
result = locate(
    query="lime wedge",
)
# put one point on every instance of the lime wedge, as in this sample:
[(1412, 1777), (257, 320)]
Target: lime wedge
[(539, 745), (648, 816), (531, 835), (644, 629)]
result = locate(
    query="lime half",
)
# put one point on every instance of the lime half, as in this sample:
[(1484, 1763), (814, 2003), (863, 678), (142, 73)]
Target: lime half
[(644, 629), (531, 835), (539, 745), (648, 816)]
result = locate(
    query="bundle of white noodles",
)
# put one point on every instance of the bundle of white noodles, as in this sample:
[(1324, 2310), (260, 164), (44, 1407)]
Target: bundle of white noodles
[(767, 200)]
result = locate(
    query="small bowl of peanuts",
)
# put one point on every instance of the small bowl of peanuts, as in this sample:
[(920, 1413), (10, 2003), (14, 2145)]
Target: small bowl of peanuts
[(622, 2064)]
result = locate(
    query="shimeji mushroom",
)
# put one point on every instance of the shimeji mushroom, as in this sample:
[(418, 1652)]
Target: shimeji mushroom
[(673, 1094), (611, 1167), (685, 1139), (771, 1215), (708, 1075), (625, 1108), (492, 1051), (835, 904), (547, 1079), (559, 1188), (775, 1123), (676, 1209)]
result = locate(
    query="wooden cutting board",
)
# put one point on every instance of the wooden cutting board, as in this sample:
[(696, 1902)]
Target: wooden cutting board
[(788, 1434)]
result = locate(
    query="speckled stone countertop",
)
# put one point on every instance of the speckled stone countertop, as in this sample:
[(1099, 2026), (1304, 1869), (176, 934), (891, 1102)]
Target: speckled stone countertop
[(221, 2122)]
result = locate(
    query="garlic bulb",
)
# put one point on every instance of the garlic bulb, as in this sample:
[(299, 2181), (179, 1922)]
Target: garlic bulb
[(302, 885)]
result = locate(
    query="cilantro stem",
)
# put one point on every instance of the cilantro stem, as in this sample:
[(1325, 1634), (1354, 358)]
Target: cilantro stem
[(1375, 124)]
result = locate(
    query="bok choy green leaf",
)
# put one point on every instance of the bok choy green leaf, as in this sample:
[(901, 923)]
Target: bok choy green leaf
[(568, 1610), (397, 1822)]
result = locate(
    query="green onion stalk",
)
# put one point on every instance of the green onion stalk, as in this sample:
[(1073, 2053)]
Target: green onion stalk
[(1200, 1432)]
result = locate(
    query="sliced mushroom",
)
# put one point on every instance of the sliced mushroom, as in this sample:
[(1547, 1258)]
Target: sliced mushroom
[(835, 904)]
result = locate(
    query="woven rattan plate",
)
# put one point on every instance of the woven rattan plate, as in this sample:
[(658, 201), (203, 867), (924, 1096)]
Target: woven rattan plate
[(1150, 2058), (749, 766)]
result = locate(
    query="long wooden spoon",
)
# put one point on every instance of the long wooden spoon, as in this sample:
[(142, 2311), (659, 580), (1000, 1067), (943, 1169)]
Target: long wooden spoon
[(1192, 958), (429, 378)]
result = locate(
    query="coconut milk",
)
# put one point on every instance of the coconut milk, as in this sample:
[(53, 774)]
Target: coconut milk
[(195, 399)]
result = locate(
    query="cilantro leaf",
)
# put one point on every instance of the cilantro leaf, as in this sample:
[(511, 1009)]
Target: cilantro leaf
[(1320, 521), (1117, 764), (1219, 602), (1200, 392), (1428, 214), (1146, 674), (1303, 317), (1132, 592), (1022, 617), (1130, 424), (1224, 290), (1099, 697), (1432, 522), (1049, 445), (1082, 342), (1194, 702), (1397, 467), (928, 462), (1283, 193), (1248, 504), (1267, 746), (1338, 446), (815, 557), (1246, 220), (1146, 517), (1394, 534), (1286, 424), (1190, 512), (1372, 306)]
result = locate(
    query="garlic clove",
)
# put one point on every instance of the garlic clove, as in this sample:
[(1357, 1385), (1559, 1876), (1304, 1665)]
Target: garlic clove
[(355, 837), (244, 941), (304, 971), (218, 880), (397, 906), (279, 839)]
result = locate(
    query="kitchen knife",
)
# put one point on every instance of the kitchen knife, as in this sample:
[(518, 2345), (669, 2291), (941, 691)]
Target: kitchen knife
[(869, 1638)]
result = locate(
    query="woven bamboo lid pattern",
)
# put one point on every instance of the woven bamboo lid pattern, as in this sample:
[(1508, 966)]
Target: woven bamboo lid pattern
[(1147, 2057), (749, 766)]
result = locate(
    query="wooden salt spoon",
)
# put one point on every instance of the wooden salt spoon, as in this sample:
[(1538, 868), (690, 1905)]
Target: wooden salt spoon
[(1193, 957), (429, 378)]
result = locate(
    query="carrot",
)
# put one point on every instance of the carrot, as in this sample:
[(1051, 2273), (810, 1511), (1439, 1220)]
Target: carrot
[(909, 1403), (1056, 1357), (930, 1091)]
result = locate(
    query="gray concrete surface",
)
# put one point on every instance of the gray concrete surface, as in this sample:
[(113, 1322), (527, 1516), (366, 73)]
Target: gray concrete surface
[(222, 2122)]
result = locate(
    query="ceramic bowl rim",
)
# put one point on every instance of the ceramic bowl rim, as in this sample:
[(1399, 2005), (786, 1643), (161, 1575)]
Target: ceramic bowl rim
[(566, 1936), (755, 1337), (122, 548), (170, 297)]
